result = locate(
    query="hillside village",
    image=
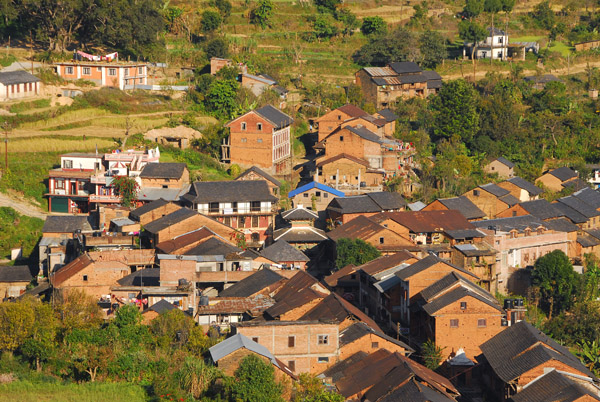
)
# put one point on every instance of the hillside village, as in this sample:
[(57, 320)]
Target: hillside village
[(236, 220)]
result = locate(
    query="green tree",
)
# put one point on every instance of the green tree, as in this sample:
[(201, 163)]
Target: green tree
[(355, 252), (126, 188), (543, 15), (196, 377), (455, 111), (327, 5), (220, 99), (40, 344), (553, 274), (211, 21), (588, 352), (324, 26), (399, 45), (373, 26), (216, 47), (309, 388), (79, 310), (224, 7), (473, 8), (254, 381), (433, 49), (262, 13), (591, 286), (17, 322), (432, 354)]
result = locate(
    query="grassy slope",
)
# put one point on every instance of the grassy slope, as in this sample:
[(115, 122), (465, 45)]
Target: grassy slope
[(25, 391), (18, 231)]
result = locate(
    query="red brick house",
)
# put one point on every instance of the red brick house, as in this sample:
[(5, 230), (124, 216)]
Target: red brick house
[(555, 385), (261, 137), (255, 173), (343, 210), (520, 354), (361, 337), (333, 119), (457, 314)]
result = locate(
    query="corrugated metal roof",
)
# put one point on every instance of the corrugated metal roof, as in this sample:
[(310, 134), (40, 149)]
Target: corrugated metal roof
[(380, 71), (238, 341)]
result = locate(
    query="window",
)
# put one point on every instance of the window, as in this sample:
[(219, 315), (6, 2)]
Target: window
[(243, 140), (323, 339), (339, 117), (514, 213), (259, 140), (140, 70), (99, 69), (493, 168), (374, 345), (305, 195), (454, 323), (112, 72), (291, 341), (317, 193), (259, 126), (59, 183), (325, 195), (463, 305), (243, 125), (481, 323), (255, 339), (323, 360), (87, 71), (292, 365), (255, 221), (381, 240), (227, 221), (67, 164), (81, 185), (68, 70), (341, 138), (500, 40), (476, 193), (126, 72), (85, 278)]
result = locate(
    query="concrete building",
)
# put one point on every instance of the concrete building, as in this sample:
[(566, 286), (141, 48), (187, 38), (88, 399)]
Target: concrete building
[(18, 85), (104, 74)]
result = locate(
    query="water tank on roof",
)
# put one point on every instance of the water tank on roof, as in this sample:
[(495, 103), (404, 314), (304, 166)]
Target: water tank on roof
[(204, 300)]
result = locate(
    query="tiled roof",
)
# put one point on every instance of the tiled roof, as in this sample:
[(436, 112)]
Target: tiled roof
[(251, 305), (17, 77), (494, 189), (554, 386), (173, 245), (281, 251), (332, 280), (302, 288), (388, 115), (519, 223), (324, 162), (300, 235), (454, 295), (574, 215), (405, 67), (213, 246), (66, 224), (425, 264), (364, 133), (335, 308), (142, 277), (236, 342), (161, 307), (386, 262), (587, 241), (463, 205), (275, 116), (360, 227), (229, 191), (476, 249), (563, 173), (314, 184), (561, 225), (360, 329), (531, 188), (252, 284), (589, 196), (16, 273), (541, 209), (462, 234), (262, 173), (509, 200), (522, 347), (505, 162), (163, 171), (579, 206), (427, 221), (168, 220), (149, 207), (299, 213), (372, 202), (575, 184), (72, 268), (352, 110)]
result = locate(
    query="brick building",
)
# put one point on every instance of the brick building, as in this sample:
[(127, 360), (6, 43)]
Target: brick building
[(521, 189), (152, 211), (556, 179), (491, 199), (457, 314), (247, 206), (343, 210), (255, 173), (314, 195), (348, 173), (285, 255), (261, 137), (554, 385), (359, 337), (504, 168), (14, 281), (383, 86), (304, 346), (165, 175), (334, 118), (461, 204), (520, 354), (114, 74)]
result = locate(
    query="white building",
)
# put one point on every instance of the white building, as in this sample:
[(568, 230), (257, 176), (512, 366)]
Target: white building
[(495, 46), (18, 84)]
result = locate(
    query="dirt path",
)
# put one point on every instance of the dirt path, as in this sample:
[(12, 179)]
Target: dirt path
[(22, 207)]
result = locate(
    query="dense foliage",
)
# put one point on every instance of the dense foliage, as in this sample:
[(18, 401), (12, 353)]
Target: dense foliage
[(354, 251)]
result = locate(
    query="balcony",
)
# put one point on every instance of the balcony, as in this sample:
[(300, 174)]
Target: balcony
[(104, 198), (238, 211)]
